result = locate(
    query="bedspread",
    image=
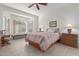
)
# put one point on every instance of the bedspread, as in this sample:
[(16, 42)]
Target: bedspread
[(44, 39)]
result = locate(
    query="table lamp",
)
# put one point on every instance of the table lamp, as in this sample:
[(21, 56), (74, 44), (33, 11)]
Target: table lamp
[(69, 26)]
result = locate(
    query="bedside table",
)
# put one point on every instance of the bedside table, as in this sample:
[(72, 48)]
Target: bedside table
[(69, 39)]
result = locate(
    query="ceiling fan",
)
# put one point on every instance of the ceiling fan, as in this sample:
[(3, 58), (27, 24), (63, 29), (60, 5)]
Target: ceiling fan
[(37, 5)]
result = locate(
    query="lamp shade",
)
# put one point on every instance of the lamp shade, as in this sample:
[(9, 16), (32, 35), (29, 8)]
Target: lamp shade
[(69, 26)]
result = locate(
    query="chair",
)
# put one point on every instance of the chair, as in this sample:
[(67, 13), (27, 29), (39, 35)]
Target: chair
[(7, 39)]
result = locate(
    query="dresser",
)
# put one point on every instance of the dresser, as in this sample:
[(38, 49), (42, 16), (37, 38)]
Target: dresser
[(1, 41), (69, 39)]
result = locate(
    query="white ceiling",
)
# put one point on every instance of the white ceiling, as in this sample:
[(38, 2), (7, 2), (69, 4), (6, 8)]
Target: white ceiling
[(33, 10)]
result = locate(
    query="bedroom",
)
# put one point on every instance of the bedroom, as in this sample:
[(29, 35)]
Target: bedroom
[(63, 14)]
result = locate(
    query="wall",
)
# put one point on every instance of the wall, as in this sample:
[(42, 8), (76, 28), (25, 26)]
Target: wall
[(64, 15), (0, 23), (48, 15), (68, 15), (6, 11), (22, 20)]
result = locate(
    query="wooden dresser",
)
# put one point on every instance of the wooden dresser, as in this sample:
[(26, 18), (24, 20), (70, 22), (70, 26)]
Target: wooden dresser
[(69, 39), (1, 41)]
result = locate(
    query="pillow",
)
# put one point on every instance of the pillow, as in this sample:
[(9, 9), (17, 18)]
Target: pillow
[(50, 30), (54, 30)]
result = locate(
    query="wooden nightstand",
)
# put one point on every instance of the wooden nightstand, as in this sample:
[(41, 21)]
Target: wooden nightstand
[(69, 39)]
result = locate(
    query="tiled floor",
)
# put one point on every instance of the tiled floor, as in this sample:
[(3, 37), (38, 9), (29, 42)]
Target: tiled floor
[(19, 48)]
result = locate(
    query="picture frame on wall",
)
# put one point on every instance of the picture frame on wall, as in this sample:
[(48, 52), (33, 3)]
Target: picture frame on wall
[(52, 23)]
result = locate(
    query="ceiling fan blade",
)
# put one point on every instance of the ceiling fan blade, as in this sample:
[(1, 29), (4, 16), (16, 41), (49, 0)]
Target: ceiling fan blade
[(37, 6), (31, 5), (42, 3)]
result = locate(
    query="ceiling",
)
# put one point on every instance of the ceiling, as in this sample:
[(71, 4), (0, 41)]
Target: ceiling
[(33, 10)]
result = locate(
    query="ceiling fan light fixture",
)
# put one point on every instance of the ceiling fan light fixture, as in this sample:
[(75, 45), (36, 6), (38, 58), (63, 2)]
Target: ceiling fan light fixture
[(37, 5)]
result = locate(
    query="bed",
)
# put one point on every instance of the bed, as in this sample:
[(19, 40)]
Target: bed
[(42, 40)]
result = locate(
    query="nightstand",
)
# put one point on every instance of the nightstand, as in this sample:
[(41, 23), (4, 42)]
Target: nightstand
[(69, 39)]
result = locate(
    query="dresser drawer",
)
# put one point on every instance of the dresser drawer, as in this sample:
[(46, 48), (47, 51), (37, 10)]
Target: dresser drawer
[(69, 42), (69, 39), (69, 35)]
